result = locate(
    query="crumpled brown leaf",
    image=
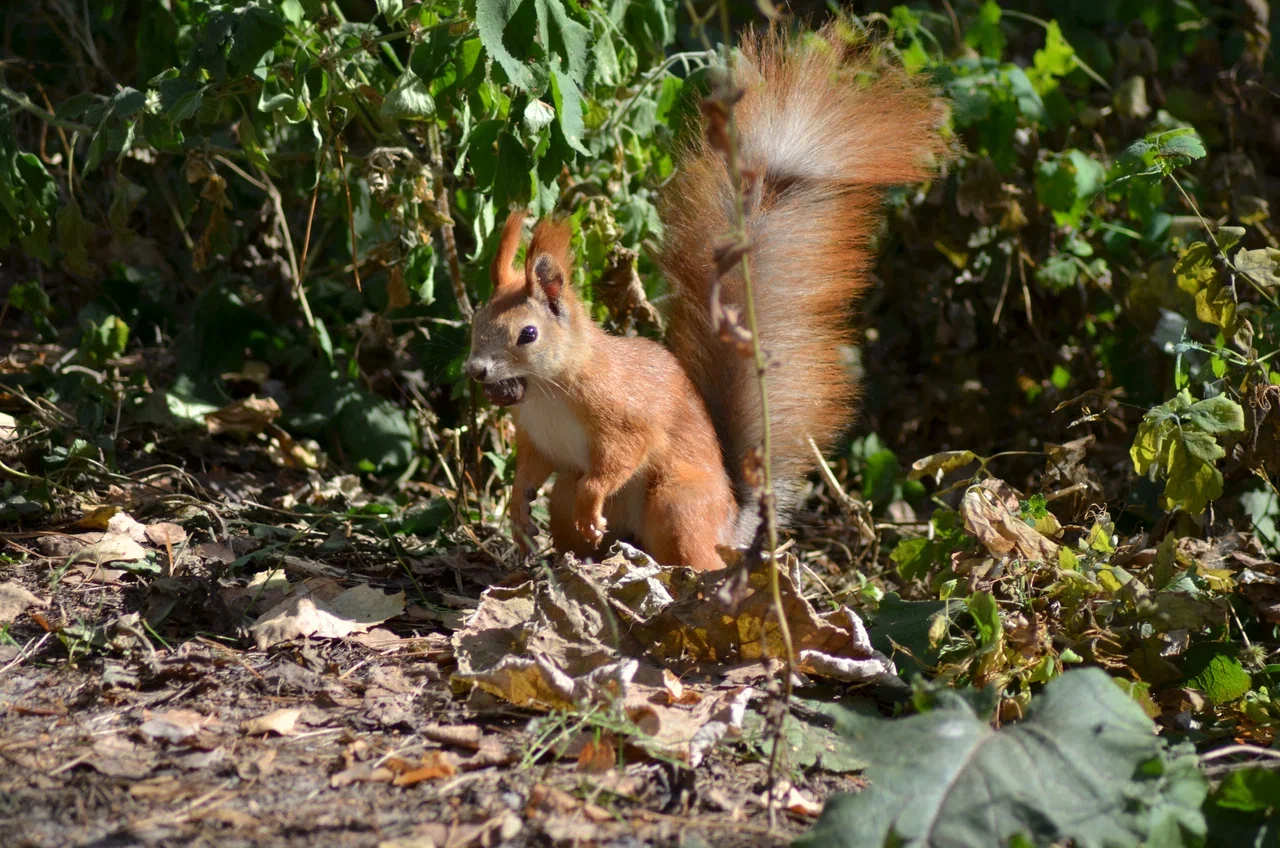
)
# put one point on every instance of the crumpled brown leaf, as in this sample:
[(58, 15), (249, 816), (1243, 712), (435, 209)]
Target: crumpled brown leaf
[(165, 533), (246, 417), (280, 722), (15, 600), (112, 547), (577, 639), (356, 610), (176, 725), (990, 512), (116, 756)]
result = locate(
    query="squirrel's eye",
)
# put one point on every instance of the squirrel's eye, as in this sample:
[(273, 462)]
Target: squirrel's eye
[(528, 335)]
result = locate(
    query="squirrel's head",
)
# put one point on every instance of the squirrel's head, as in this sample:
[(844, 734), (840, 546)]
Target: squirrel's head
[(528, 327)]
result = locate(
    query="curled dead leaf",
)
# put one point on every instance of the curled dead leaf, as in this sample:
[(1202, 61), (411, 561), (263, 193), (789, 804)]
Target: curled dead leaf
[(15, 600), (246, 417), (165, 533), (280, 722), (988, 516), (434, 765)]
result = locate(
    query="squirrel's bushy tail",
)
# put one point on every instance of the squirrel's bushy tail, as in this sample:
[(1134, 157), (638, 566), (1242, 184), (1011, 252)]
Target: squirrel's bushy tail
[(824, 136)]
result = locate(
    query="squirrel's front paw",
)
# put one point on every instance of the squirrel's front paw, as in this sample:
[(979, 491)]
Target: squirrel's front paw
[(523, 529), (592, 526)]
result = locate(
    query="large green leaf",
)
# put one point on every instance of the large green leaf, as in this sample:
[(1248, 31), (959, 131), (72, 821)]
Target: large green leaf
[(1176, 441), (1085, 765), (492, 17)]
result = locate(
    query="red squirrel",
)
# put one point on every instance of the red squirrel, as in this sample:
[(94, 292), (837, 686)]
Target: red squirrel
[(650, 442)]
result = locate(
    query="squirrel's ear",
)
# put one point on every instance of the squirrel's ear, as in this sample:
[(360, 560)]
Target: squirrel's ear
[(547, 264), (546, 281), (501, 272)]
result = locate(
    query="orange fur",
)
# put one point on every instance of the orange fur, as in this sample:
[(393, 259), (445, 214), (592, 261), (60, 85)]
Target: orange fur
[(824, 145), (648, 443)]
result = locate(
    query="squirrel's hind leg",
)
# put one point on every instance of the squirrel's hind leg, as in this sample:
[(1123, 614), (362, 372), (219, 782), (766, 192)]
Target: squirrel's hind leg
[(683, 524)]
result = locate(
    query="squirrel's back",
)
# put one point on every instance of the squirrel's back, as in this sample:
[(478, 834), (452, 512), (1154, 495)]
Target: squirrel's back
[(824, 135)]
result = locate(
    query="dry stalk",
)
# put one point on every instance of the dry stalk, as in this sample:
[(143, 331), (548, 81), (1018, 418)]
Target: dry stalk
[(338, 144), (723, 131)]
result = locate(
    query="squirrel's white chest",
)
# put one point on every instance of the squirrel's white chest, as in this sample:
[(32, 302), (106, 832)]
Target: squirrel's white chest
[(552, 425)]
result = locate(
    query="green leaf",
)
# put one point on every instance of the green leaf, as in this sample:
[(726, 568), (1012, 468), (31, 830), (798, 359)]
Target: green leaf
[(1182, 144), (376, 432), (409, 98), (1056, 59), (492, 17), (1251, 790), (1215, 670), (104, 341), (986, 617), (512, 183), (879, 475), (73, 239), (901, 629), (1067, 185), (564, 93), (537, 116), (564, 37), (812, 735), (946, 778), (1176, 441), (1262, 265), (984, 33), (390, 9), (1216, 415), (258, 30)]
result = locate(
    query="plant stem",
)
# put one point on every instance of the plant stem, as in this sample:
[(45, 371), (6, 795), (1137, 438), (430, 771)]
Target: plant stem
[(23, 102), (767, 501)]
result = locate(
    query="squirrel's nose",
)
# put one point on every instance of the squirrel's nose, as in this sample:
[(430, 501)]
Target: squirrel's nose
[(477, 371)]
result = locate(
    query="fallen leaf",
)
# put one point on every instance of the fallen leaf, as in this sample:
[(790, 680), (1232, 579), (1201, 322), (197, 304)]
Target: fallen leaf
[(116, 756), (246, 417), (258, 768), (354, 611), (175, 725), (112, 547), (165, 533), (435, 765), (676, 691), (15, 600), (598, 755), (362, 773), (996, 523), (280, 722), (381, 639), (792, 800), (218, 551), (93, 574), (95, 519), (462, 735), (126, 525)]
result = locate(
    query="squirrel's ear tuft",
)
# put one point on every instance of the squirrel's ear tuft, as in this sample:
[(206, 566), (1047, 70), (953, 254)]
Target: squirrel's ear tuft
[(547, 264), (546, 279), (501, 272)]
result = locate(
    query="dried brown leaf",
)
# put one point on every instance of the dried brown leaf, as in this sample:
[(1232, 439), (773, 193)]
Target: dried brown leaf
[(280, 722), (15, 600)]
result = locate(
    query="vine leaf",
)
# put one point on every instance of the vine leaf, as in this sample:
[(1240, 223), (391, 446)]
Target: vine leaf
[(1176, 441), (1085, 766)]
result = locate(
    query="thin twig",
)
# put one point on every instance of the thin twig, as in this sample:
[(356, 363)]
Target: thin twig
[(311, 216), (767, 500), (1232, 750), (283, 224), (338, 144), (446, 225)]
